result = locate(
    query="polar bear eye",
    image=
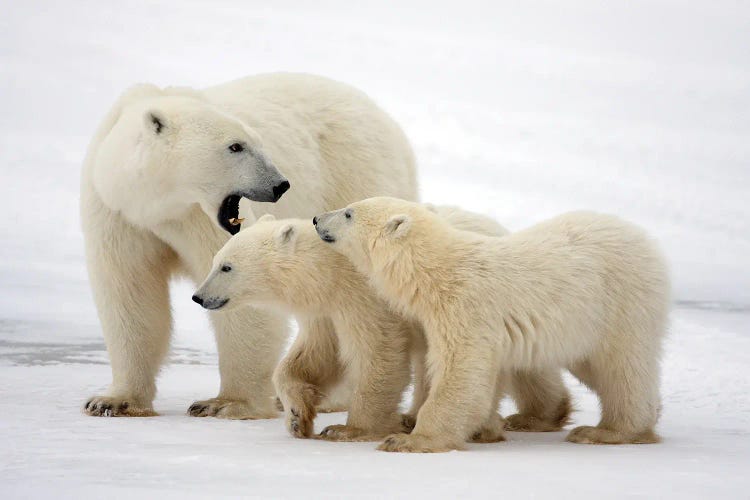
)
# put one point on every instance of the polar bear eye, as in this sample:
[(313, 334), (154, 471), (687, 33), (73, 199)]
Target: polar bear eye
[(226, 268), (348, 214), (236, 147)]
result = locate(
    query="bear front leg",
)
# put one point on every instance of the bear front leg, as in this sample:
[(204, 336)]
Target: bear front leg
[(462, 393), (249, 342), (129, 272), (310, 367), (380, 362)]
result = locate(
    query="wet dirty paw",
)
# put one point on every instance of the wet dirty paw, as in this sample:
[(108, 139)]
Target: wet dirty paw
[(597, 435), (528, 423), (300, 421), (414, 443), (228, 408), (408, 422), (103, 406), (346, 433)]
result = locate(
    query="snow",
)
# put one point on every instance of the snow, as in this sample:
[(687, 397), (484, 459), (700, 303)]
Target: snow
[(519, 110)]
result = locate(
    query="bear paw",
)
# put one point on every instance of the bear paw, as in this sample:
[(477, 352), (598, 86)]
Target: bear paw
[(347, 433), (493, 431), (326, 407), (597, 435), (408, 422), (529, 423), (228, 408), (104, 406), (415, 443), (300, 420)]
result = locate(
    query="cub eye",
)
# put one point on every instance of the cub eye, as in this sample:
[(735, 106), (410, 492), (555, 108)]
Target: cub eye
[(348, 214), (226, 268), (236, 147)]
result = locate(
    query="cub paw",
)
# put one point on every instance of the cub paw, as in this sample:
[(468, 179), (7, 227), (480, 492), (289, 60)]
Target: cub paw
[(492, 431), (103, 406), (326, 407), (597, 435), (346, 433), (528, 423), (300, 421), (415, 443), (228, 408), (300, 402), (408, 422)]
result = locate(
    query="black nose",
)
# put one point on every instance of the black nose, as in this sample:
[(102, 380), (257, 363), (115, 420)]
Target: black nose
[(315, 221), (279, 190), (197, 300)]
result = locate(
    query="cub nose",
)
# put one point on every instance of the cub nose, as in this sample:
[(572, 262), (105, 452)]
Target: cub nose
[(280, 189), (197, 299), (315, 221)]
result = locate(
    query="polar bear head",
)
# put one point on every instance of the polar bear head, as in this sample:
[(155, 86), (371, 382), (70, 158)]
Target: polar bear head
[(374, 232), (266, 264), (170, 150)]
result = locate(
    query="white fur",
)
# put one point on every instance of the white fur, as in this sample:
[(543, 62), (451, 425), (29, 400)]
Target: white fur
[(149, 201), (583, 291), (366, 346)]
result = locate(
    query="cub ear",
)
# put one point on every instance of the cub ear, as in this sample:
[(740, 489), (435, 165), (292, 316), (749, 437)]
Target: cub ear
[(155, 121), (398, 226), (266, 218), (286, 236)]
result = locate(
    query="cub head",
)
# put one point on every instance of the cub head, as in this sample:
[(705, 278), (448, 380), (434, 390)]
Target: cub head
[(167, 153), (372, 231), (252, 267)]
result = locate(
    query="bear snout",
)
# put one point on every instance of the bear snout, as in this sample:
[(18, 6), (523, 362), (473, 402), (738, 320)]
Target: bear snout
[(280, 189), (198, 299)]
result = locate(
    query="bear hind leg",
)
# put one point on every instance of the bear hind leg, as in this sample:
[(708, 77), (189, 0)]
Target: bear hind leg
[(542, 399), (628, 389)]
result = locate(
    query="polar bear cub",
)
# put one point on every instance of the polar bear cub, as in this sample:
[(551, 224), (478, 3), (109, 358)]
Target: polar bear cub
[(360, 341), (583, 291)]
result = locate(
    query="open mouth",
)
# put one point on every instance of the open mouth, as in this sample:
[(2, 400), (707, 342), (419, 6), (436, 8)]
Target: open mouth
[(229, 213)]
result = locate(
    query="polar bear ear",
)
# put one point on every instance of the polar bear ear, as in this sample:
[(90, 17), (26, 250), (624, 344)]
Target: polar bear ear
[(286, 236), (266, 218), (155, 121), (398, 226)]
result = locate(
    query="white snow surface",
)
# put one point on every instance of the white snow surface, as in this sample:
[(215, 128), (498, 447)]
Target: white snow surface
[(519, 110)]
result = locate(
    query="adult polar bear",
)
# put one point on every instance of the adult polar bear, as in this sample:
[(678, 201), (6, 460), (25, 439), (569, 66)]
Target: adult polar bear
[(162, 178)]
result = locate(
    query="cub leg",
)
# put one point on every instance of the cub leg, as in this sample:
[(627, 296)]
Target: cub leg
[(462, 393), (542, 399), (493, 428), (310, 367), (380, 362), (628, 389)]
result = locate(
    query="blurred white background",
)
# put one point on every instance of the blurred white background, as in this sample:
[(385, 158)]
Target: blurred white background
[(520, 110)]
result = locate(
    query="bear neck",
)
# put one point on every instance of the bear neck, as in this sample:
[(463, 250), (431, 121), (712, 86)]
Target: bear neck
[(423, 276), (315, 279)]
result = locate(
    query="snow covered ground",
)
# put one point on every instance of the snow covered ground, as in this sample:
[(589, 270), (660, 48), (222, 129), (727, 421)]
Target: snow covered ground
[(519, 110)]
